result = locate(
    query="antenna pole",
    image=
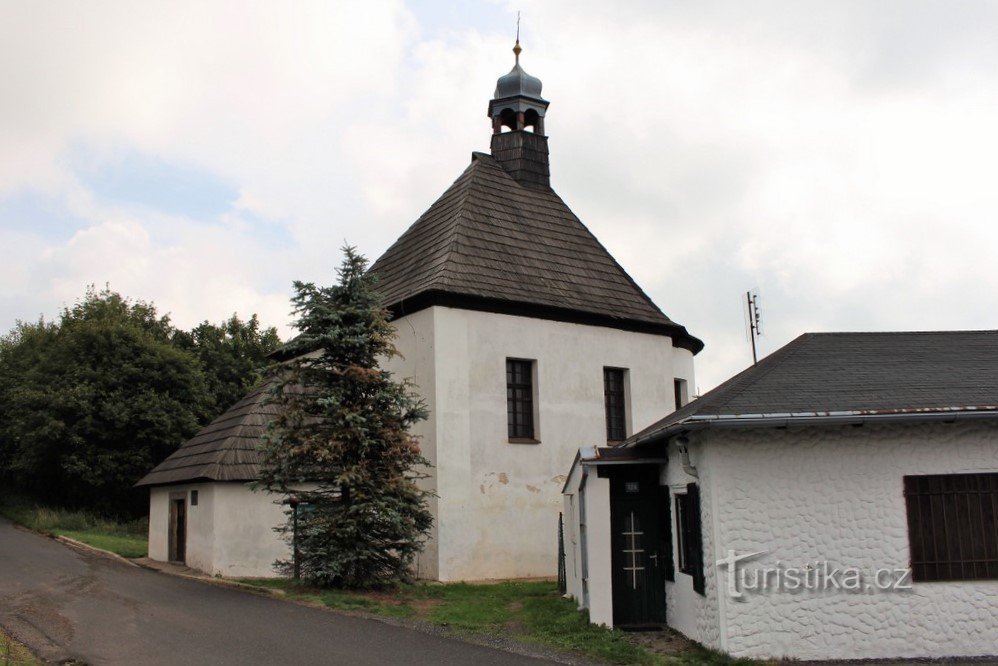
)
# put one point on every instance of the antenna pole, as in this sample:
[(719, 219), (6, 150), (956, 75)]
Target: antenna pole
[(753, 316)]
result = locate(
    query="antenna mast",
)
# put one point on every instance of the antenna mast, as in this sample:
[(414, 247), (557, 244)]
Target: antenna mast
[(752, 301)]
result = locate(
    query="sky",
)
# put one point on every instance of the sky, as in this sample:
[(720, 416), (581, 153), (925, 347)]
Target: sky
[(838, 157)]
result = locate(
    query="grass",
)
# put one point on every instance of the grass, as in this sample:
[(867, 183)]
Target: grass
[(13, 653), (530, 612), (126, 539)]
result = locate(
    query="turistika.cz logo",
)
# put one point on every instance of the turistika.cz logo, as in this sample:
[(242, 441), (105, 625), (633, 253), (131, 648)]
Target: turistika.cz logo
[(816, 576)]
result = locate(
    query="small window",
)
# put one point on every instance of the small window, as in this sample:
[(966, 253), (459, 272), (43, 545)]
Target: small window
[(952, 526), (194, 498), (688, 534), (520, 399), (616, 405), (682, 396)]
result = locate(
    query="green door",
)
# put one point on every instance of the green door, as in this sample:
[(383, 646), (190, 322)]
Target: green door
[(638, 555)]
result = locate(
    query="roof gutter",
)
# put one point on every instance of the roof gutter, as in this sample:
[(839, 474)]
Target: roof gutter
[(787, 420)]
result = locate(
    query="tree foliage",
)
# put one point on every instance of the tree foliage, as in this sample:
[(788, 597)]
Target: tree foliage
[(233, 356), (90, 403), (341, 443)]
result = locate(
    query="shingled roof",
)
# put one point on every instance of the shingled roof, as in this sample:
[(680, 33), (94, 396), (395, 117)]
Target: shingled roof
[(842, 377), (493, 243), (225, 449)]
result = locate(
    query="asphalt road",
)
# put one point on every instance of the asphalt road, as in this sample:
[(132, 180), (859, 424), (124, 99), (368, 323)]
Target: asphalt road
[(68, 604)]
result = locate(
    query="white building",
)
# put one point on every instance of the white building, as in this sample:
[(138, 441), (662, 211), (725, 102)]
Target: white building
[(526, 340), (848, 459)]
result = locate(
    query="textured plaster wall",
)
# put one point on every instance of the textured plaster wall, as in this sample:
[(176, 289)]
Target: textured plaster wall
[(499, 502), (695, 615), (836, 494)]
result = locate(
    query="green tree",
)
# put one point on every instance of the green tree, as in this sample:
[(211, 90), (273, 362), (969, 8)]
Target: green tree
[(341, 440), (92, 404), (233, 356)]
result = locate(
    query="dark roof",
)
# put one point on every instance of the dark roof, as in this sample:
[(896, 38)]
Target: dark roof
[(828, 376), (493, 244), (225, 449)]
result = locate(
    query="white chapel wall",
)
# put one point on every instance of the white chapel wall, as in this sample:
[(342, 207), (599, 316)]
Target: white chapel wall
[(499, 502), (416, 362)]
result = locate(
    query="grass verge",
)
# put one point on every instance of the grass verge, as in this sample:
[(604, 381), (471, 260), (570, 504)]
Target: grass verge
[(125, 539), (529, 612), (13, 653)]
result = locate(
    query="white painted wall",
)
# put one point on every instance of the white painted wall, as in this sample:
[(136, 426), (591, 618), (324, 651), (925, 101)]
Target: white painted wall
[(498, 503), (200, 522), (837, 495), (598, 541), (693, 614), (572, 499), (416, 361), (229, 533), (245, 542)]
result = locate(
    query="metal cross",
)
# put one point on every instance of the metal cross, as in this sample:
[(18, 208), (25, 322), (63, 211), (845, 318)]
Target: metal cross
[(632, 534)]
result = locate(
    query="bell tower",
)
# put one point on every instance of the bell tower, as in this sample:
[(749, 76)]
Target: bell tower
[(517, 113)]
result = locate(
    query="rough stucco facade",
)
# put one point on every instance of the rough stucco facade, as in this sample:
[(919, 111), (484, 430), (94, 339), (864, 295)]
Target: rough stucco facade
[(836, 495), (497, 502), (807, 495)]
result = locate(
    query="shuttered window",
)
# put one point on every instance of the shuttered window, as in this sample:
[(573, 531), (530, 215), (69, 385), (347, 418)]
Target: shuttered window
[(689, 536), (952, 526), (520, 399), (616, 414)]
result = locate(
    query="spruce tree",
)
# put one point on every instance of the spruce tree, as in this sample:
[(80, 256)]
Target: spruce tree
[(340, 442)]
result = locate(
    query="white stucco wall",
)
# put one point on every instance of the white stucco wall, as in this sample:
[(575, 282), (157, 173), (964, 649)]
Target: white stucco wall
[(416, 362), (836, 495), (200, 522), (229, 532), (495, 504), (498, 502), (598, 541), (693, 614), (245, 542)]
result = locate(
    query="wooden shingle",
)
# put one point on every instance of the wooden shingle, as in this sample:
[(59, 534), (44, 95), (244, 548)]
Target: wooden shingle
[(492, 243)]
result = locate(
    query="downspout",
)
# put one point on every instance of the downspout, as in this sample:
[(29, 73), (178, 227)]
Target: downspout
[(682, 444)]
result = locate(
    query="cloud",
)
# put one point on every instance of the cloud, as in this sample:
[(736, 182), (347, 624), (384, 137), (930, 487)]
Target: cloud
[(836, 156)]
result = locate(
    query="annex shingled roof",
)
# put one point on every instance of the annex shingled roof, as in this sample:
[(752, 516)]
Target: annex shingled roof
[(488, 237), (825, 375)]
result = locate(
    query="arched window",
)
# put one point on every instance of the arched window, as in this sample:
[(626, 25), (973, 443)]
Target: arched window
[(531, 120), (507, 119)]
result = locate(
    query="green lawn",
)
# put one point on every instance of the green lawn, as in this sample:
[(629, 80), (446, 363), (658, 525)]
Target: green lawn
[(126, 539), (531, 612), (13, 653)]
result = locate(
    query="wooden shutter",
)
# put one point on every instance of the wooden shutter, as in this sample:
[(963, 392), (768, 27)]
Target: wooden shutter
[(669, 561), (696, 538), (952, 526)]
